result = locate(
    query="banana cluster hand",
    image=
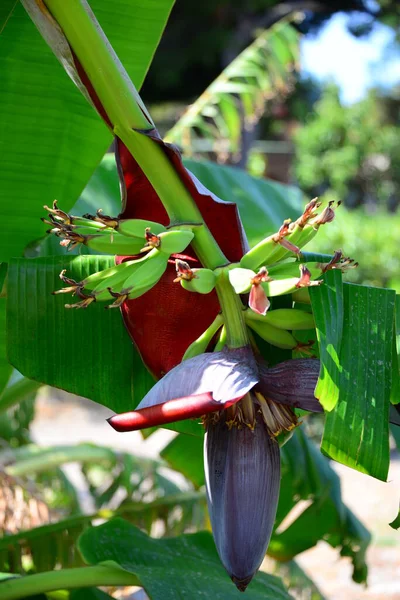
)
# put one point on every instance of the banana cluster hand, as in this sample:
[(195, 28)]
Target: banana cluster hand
[(111, 235), (127, 280), (290, 238)]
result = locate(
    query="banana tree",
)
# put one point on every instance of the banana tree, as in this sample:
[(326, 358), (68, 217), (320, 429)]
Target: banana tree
[(240, 335)]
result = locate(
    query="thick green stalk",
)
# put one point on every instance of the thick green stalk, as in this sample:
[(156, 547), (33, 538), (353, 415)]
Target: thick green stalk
[(126, 112), (14, 589), (232, 312)]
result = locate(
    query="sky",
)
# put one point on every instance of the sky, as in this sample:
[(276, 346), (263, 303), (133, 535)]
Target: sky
[(354, 64)]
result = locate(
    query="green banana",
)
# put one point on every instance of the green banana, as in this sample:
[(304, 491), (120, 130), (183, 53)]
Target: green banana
[(147, 274), (221, 341), (300, 236), (88, 223), (113, 243), (279, 287), (200, 345), (307, 226), (140, 290), (287, 278), (265, 252), (271, 251), (283, 318), (141, 279), (291, 269), (290, 237), (241, 279), (98, 281), (302, 296), (107, 275), (277, 337), (203, 281), (115, 282), (136, 228), (173, 242)]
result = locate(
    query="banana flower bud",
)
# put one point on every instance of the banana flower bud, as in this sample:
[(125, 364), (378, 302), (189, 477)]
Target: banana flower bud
[(244, 406)]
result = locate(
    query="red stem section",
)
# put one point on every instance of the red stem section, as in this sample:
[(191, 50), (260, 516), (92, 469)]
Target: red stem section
[(178, 409)]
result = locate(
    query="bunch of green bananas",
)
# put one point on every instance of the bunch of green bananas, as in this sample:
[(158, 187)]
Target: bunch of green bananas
[(285, 276), (133, 278), (155, 244)]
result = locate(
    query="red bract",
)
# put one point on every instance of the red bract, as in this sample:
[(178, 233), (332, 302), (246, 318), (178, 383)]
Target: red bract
[(167, 319)]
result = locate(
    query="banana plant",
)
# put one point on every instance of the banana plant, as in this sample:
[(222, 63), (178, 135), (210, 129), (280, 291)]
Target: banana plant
[(236, 100), (214, 321)]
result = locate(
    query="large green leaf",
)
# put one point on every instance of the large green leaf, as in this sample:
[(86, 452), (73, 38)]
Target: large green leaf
[(357, 431), (263, 204), (395, 393), (55, 543), (183, 567), (327, 304), (54, 138), (310, 489), (5, 367), (5, 576), (84, 352), (101, 191)]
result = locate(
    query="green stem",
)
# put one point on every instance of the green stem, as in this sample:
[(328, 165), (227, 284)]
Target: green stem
[(81, 577), (232, 312), (126, 112)]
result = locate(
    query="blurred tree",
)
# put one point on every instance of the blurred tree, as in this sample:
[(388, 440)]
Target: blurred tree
[(201, 38), (372, 240), (351, 153)]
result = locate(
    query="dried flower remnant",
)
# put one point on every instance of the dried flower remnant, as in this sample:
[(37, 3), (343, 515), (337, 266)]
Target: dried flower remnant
[(339, 261), (305, 278), (308, 213), (280, 238), (183, 271), (152, 240)]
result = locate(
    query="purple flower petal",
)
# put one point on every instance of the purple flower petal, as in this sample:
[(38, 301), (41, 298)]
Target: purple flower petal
[(291, 382), (242, 468), (227, 374)]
